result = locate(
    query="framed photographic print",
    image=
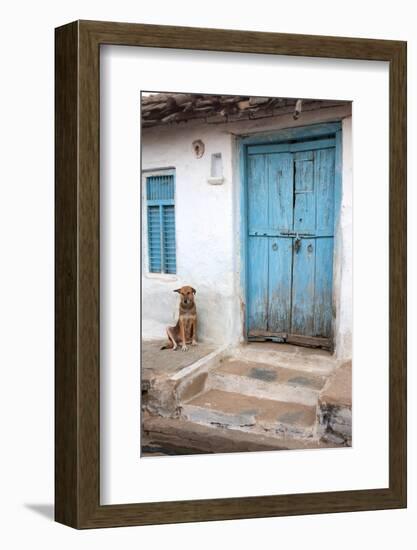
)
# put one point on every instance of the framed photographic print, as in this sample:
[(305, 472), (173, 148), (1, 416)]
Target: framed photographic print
[(230, 274)]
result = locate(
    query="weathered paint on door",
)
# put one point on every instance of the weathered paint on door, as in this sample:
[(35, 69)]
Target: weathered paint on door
[(290, 194)]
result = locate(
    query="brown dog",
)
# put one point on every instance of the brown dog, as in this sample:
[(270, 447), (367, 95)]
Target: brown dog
[(185, 331)]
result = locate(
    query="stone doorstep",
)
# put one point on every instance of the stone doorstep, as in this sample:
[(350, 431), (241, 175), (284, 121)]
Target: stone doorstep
[(173, 434), (247, 413), (315, 361), (266, 381), (192, 371), (277, 396)]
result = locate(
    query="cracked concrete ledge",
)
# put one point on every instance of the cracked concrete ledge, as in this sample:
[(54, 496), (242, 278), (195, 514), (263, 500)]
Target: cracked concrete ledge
[(178, 436), (288, 356), (335, 406), (164, 391), (204, 363)]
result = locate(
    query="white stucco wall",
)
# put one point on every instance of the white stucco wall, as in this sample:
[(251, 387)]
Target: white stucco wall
[(343, 257), (204, 233), (208, 226)]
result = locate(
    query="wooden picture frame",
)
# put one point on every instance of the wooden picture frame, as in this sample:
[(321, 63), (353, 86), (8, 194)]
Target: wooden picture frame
[(77, 373)]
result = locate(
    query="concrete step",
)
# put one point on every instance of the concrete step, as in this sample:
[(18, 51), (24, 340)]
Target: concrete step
[(173, 436), (251, 414), (335, 405), (267, 381), (314, 361)]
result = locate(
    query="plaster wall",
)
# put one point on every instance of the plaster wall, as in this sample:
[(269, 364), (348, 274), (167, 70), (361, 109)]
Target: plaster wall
[(204, 233)]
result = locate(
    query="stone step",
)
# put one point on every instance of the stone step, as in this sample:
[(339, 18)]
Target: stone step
[(267, 381), (171, 436), (314, 361), (335, 405), (251, 414)]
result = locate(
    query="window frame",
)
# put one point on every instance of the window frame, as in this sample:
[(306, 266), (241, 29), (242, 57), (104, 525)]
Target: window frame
[(147, 173)]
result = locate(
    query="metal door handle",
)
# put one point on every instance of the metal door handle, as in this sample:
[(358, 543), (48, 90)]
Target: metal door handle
[(297, 244)]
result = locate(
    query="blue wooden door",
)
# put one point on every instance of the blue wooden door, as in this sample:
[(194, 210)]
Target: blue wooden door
[(290, 194)]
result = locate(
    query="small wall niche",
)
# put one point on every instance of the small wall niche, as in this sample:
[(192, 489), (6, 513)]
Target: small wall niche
[(216, 169), (198, 148)]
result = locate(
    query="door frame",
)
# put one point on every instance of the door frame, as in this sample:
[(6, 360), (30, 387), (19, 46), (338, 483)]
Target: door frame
[(300, 133)]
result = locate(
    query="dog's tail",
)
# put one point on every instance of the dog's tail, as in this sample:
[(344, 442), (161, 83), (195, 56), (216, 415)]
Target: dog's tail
[(168, 345)]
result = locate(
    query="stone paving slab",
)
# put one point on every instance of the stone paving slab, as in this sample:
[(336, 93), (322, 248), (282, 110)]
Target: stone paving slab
[(272, 374), (168, 436), (288, 349), (267, 381), (316, 361), (157, 362), (242, 411)]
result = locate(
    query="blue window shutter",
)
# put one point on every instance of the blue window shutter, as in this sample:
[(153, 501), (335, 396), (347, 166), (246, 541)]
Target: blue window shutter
[(160, 192), (168, 221), (154, 239)]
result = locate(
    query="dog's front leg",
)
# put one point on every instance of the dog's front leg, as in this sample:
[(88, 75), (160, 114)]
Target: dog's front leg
[(182, 333), (171, 338), (194, 340)]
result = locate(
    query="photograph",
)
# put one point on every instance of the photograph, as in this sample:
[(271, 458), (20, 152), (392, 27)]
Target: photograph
[(246, 273)]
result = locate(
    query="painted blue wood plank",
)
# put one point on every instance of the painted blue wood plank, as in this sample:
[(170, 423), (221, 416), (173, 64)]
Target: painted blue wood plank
[(279, 283), (291, 147), (257, 195), (169, 246), (338, 178), (304, 179), (312, 287), (258, 283), (305, 200), (324, 176), (280, 176), (304, 155), (323, 288), (301, 132), (303, 290), (154, 239)]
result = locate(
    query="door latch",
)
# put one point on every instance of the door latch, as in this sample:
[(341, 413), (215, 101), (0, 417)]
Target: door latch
[(297, 244)]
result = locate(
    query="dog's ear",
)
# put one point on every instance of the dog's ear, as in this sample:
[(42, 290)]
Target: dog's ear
[(194, 290), (177, 290)]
